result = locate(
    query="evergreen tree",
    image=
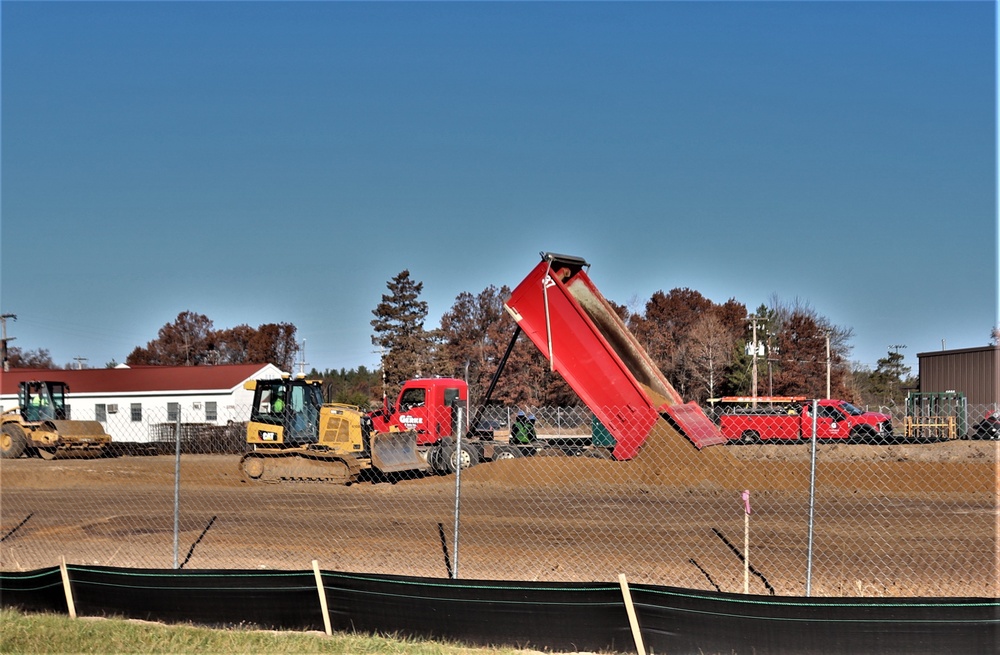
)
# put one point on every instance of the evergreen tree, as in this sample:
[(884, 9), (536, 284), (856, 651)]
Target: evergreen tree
[(359, 386), (739, 379), (888, 379), (399, 332)]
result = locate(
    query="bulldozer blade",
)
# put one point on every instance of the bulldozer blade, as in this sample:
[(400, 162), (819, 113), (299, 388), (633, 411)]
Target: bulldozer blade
[(396, 451)]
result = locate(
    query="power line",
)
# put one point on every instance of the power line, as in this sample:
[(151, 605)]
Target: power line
[(4, 339)]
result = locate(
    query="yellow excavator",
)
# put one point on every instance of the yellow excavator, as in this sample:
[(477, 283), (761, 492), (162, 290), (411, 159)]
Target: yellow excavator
[(38, 425), (297, 437)]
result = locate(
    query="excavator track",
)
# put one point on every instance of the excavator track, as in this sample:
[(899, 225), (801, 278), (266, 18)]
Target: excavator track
[(299, 466)]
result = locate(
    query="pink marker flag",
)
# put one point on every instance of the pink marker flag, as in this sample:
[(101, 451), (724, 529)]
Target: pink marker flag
[(746, 501)]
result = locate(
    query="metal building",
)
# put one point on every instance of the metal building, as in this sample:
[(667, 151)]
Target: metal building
[(974, 372)]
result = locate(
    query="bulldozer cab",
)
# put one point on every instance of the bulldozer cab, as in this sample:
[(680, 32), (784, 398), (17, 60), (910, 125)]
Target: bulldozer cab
[(42, 401), (290, 405)]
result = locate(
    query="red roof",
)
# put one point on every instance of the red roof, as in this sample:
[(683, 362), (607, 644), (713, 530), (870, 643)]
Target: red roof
[(136, 378)]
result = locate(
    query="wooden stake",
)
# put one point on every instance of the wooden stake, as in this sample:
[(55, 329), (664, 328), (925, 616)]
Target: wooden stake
[(746, 553), (632, 620), (322, 598), (66, 588), (746, 542)]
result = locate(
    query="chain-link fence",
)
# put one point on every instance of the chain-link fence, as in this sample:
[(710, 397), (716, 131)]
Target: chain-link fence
[(900, 505)]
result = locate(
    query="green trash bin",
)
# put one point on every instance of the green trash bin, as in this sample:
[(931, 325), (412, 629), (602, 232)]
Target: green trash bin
[(599, 435)]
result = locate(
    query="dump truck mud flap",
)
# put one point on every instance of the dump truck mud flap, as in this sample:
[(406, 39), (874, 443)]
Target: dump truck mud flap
[(396, 451)]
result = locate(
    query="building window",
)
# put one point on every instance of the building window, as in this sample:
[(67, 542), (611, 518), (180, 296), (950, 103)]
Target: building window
[(136, 412), (173, 412), (100, 412), (211, 411)]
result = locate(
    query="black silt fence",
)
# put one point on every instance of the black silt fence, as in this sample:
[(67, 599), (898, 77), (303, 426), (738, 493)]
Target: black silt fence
[(550, 616)]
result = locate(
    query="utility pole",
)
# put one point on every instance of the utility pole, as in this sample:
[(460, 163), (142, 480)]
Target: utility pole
[(828, 365), (79, 362), (4, 339), (753, 318), (302, 360)]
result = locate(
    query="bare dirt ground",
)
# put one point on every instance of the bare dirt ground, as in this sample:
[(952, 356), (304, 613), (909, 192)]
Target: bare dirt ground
[(899, 520)]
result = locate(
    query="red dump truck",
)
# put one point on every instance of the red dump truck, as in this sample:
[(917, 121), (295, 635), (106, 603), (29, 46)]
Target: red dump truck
[(836, 419), (573, 325), (430, 408), (561, 311)]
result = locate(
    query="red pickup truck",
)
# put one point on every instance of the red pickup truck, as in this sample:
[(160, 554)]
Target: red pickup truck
[(836, 419)]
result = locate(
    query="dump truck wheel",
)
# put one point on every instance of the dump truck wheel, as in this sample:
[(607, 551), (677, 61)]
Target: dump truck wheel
[(749, 437), (434, 459), (12, 441), (452, 458), (506, 452)]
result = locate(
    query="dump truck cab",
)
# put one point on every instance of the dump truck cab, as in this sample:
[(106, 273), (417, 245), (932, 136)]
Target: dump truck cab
[(427, 406)]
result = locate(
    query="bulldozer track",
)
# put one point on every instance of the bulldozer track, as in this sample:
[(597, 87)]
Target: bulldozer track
[(298, 467)]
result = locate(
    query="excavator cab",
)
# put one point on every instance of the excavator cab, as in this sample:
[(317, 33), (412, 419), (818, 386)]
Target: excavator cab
[(42, 401)]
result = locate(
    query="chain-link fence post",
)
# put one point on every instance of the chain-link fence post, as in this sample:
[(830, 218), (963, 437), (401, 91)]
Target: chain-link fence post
[(458, 489), (177, 483), (812, 498)]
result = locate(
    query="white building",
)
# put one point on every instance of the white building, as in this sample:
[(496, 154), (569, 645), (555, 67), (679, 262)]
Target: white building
[(135, 404)]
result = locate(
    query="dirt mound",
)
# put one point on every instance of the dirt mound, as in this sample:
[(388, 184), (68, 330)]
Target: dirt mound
[(667, 459), (135, 472)]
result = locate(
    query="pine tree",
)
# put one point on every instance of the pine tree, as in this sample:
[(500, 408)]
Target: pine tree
[(399, 332), (888, 379)]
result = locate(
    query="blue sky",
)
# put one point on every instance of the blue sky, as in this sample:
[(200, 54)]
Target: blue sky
[(280, 162)]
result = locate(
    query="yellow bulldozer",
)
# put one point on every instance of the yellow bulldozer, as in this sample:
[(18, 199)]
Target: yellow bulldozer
[(39, 426), (297, 437)]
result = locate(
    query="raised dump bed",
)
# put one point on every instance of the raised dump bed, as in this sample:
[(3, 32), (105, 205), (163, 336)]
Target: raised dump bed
[(573, 325)]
